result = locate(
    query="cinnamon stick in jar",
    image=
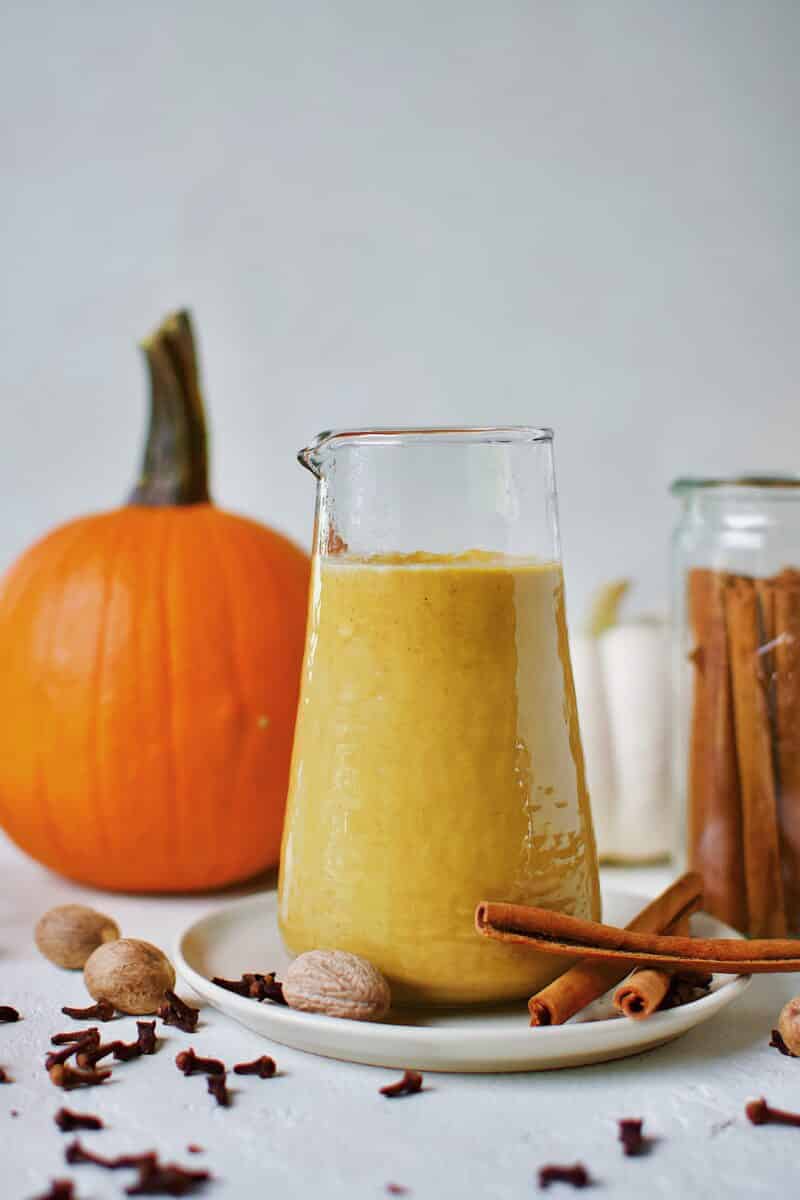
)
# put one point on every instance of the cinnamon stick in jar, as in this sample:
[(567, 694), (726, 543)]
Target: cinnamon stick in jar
[(588, 980), (786, 675), (747, 619), (714, 805)]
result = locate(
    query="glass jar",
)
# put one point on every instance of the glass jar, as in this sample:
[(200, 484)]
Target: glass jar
[(437, 760), (736, 660)]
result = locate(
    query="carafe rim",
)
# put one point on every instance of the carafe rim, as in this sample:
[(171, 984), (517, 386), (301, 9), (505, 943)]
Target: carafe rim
[(312, 456)]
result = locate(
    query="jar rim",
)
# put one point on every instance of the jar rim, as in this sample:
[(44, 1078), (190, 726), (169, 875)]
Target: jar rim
[(687, 484)]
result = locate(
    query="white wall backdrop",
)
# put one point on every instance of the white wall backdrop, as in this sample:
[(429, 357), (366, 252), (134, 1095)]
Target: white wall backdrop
[(582, 214)]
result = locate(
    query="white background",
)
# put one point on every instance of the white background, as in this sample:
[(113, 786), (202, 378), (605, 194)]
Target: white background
[(536, 211)]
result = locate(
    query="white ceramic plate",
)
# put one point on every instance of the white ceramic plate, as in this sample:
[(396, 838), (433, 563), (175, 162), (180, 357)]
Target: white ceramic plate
[(243, 936)]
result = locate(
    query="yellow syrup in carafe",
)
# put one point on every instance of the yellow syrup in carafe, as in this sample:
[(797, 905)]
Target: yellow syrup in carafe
[(437, 762)]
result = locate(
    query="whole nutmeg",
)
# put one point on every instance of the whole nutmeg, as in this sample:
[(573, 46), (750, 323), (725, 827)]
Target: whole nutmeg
[(789, 1025), (67, 935), (131, 974), (337, 984)]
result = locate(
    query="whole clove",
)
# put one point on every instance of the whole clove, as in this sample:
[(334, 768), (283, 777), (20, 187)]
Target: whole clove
[(760, 1113), (219, 1090), (255, 986), (125, 1051), (103, 1010), (684, 988), (64, 1076), (89, 1056), (177, 1012), (4, 1078), (146, 1037), (168, 1179), (410, 1083), (90, 1040), (67, 1121), (60, 1189), (75, 1035), (263, 1067), (8, 1014), (76, 1153), (192, 1064), (577, 1175), (630, 1134), (779, 1044)]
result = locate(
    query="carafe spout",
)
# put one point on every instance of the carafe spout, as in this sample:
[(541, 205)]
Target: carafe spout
[(313, 457)]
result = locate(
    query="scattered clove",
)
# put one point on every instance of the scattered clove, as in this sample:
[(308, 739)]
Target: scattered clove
[(88, 1041), (60, 1189), (218, 1089), (89, 1056), (8, 1014), (103, 1010), (577, 1175), (64, 1076), (396, 1189), (77, 1153), (779, 1044), (76, 1035), (255, 986), (67, 1121), (630, 1134), (175, 1011), (167, 1180), (407, 1086), (191, 1064), (684, 988), (4, 1076), (146, 1037), (125, 1051), (193, 1148), (760, 1113), (263, 1067)]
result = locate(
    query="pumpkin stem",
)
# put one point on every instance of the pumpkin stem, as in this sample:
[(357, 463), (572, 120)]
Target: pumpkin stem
[(175, 465)]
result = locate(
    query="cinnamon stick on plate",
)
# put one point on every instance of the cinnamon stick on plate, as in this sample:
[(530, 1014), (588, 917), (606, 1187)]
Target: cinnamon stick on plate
[(646, 988), (748, 622), (550, 932), (714, 806), (584, 982)]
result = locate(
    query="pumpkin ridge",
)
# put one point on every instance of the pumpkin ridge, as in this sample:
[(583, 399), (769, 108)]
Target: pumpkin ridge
[(97, 759), (171, 810), (40, 789), (236, 674)]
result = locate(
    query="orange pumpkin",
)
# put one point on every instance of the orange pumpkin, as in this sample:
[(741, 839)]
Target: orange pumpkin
[(149, 670)]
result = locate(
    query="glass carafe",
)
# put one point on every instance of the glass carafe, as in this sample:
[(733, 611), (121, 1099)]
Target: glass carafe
[(437, 760)]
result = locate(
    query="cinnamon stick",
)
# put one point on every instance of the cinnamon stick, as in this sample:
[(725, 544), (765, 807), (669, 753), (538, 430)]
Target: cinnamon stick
[(714, 807), (646, 988), (640, 995), (786, 675), (747, 621), (584, 982), (550, 932)]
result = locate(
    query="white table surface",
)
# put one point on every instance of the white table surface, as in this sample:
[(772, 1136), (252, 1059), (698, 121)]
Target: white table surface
[(321, 1130)]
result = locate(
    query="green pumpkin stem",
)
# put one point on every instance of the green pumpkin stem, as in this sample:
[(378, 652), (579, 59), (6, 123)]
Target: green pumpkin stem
[(175, 465)]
